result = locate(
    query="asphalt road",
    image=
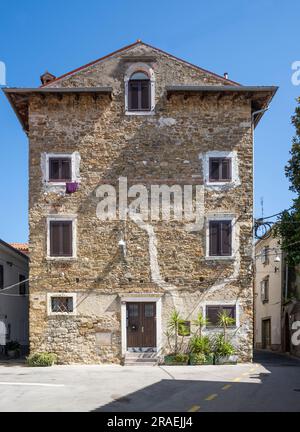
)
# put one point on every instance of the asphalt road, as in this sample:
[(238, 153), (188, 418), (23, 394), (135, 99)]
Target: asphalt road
[(271, 383)]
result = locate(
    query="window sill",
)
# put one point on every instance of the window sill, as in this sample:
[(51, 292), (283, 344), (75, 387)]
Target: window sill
[(48, 258), (140, 113), (220, 258), (62, 314), (219, 184), (214, 327)]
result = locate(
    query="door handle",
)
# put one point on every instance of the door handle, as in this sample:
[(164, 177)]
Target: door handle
[(142, 329)]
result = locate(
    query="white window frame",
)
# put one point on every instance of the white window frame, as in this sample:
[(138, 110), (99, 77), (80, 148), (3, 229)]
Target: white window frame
[(234, 235), (61, 294), (75, 167), (140, 67), (61, 217), (223, 303), (235, 180)]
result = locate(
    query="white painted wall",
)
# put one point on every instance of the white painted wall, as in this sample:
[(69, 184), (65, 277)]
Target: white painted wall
[(271, 309), (14, 307)]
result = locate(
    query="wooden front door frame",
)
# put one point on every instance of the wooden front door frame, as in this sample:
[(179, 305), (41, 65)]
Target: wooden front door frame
[(157, 300)]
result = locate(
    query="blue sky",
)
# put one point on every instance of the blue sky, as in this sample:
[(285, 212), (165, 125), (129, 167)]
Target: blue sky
[(254, 41)]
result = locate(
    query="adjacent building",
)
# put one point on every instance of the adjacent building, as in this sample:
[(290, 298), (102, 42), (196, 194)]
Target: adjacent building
[(14, 304), (107, 266), (276, 298), (268, 293)]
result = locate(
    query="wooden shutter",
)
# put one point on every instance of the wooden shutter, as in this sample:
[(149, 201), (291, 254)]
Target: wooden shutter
[(66, 169), (212, 314), (61, 238), (225, 231), (133, 97), (1, 277), (145, 95), (67, 238), (214, 169), (226, 169), (60, 169), (214, 234), (54, 238), (53, 169)]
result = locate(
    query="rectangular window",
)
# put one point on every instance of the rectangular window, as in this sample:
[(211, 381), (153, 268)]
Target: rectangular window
[(139, 95), (213, 313), (22, 285), (220, 238), (265, 290), (61, 238), (220, 169), (60, 169), (265, 255), (62, 304), (1, 276)]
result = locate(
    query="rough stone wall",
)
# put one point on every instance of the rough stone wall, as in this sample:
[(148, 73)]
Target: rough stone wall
[(147, 150)]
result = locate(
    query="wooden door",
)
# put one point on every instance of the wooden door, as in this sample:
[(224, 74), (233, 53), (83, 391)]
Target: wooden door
[(266, 333), (141, 324)]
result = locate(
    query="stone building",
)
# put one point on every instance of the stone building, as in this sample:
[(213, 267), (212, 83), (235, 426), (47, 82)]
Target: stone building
[(120, 128)]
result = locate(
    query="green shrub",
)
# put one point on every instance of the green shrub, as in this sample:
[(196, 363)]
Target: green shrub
[(222, 348), (200, 345), (42, 359), (178, 358), (198, 358)]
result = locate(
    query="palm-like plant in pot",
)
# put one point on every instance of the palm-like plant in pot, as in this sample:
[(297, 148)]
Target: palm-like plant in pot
[(223, 349), (175, 336), (200, 346)]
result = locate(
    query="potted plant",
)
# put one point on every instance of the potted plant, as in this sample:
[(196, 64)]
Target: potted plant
[(176, 327), (223, 349), (13, 349), (201, 351)]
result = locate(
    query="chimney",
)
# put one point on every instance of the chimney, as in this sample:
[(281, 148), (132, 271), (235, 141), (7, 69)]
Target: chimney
[(226, 75), (47, 77)]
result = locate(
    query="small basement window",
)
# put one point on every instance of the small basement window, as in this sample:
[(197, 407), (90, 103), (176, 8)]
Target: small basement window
[(139, 92), (220, 169), (60, 169), (62, 305)]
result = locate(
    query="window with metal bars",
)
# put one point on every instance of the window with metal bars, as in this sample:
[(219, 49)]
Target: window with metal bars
[(62, 304)]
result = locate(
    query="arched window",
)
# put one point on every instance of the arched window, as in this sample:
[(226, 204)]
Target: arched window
[(139, 92)]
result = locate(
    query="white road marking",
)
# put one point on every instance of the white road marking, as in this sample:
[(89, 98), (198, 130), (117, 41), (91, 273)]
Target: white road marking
[(30, 384)]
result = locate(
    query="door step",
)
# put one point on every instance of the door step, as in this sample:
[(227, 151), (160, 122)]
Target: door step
[(141, 359)]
